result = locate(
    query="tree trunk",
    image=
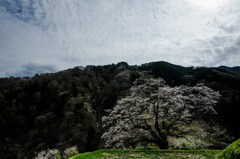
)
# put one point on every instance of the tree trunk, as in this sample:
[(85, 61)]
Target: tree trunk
[(162, 139), (162, 143)]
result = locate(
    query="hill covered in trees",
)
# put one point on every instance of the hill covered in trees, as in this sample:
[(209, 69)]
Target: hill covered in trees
[(60, 110)]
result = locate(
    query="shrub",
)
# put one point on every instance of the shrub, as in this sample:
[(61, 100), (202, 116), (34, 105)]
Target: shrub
[(55, 154), (49, 154), (188, 143), (69, 152)]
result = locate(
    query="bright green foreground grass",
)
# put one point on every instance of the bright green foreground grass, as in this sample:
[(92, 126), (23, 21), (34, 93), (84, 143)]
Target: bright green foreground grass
[(232, 151), (150, 153)]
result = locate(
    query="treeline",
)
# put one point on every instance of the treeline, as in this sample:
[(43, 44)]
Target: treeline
[(59, 110)]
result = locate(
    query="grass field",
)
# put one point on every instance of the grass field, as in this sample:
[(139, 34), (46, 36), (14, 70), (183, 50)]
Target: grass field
[(150, 153)]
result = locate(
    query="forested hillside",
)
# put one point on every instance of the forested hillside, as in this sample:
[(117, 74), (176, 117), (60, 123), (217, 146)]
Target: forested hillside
[(60, 110), (226, 81)]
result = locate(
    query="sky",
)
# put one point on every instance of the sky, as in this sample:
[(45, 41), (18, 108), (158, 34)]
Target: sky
[(40, 36)]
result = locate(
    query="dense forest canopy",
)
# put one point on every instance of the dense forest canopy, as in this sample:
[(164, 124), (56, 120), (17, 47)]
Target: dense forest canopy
[(63, 109)]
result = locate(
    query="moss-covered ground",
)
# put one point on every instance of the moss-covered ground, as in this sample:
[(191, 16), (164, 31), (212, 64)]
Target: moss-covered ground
[(150, 153)]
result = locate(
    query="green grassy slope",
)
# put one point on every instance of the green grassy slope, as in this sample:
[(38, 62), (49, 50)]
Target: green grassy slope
[(149, 153), (232, 151)]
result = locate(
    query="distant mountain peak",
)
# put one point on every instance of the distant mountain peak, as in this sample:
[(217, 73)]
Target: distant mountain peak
[(235, 69)]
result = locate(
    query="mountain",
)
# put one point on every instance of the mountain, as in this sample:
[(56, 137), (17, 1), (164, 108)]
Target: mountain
[(235, 69), (63, 109)]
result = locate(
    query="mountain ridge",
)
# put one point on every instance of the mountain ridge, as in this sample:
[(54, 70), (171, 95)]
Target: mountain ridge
[(59, 110), (235, 69)]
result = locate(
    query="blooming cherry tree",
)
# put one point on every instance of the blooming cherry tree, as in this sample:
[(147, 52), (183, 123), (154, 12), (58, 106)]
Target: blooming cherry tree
[(153, 112)]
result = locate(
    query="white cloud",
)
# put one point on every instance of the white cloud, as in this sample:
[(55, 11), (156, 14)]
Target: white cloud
[(92, 32)]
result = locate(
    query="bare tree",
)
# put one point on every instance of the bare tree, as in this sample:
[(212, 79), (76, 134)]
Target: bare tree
[(154, 111)]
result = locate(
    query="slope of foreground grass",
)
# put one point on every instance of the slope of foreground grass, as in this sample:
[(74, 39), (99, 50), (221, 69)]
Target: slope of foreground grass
[(232, 151), (150, 153)]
